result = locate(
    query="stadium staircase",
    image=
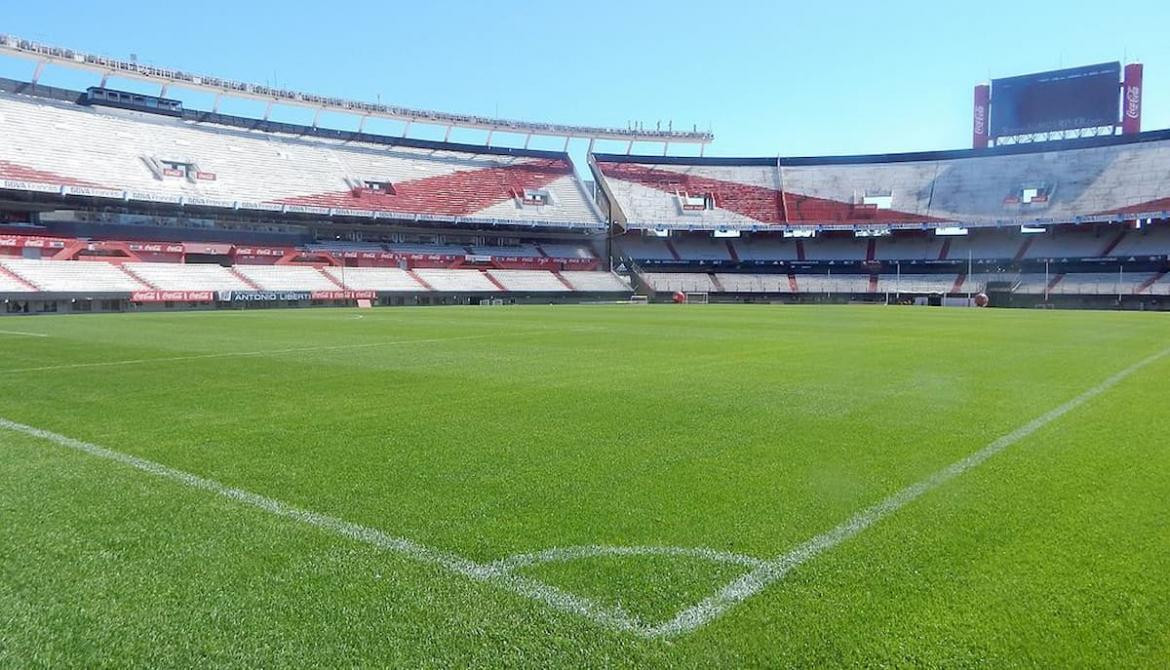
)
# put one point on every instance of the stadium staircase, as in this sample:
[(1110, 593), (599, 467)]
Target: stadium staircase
[(960, 280), (421, 282), (20, 281), (334, 280), (1056, 279), (247, 282), (1113, 244), (137, 277), (495, 282), (1145, 286), (561, 278)]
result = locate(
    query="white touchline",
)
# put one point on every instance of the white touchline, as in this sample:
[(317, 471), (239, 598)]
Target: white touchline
[(774, 570), (501, 573), (18, 333)]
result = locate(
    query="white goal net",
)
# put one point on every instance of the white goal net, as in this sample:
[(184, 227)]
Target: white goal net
[(698, 298)]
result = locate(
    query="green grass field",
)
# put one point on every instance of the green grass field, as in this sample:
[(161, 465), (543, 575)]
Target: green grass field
[(436, 458)]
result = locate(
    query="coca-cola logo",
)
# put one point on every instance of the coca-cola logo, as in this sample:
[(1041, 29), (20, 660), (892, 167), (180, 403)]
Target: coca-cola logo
[(980, 119), (1133, 102)]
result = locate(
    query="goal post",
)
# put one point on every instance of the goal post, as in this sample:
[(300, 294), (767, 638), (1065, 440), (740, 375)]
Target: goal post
[(697, 298)]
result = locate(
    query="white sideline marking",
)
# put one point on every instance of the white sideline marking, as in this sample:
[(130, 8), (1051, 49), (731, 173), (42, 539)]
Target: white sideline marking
[(776, 569), (21, 334), (610, 617), (501, 573), (236, 354)]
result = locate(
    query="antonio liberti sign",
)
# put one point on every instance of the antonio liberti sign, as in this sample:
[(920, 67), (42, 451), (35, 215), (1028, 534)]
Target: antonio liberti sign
[(248, 296)]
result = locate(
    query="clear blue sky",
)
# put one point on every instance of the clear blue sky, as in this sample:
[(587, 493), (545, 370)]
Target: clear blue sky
[(767, 77)]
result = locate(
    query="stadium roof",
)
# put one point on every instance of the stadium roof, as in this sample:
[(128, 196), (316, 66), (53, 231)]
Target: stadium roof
[(45, 54)]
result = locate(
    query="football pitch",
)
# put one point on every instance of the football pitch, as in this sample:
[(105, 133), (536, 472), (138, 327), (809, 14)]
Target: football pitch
[(585, 486)]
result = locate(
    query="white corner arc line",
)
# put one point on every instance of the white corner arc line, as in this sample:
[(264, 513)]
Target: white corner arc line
[(565, 554), (777, 568)]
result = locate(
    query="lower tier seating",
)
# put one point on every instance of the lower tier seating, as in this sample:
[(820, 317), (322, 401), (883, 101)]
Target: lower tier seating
[(375, 279), (72, 276), (595, 281), (524, 281), (187, 277)]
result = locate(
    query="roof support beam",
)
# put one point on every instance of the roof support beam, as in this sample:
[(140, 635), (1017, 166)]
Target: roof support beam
[(406, 128), (447, 135), (268, 110), (37, 72)]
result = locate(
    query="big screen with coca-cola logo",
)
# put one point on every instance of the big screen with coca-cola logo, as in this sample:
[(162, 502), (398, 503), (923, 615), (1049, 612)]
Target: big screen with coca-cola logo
[(1081, 97)]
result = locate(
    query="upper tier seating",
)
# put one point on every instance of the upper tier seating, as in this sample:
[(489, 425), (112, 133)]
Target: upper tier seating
[(287, 278), (1052, 182), (595, 281), (73, 276), (188, 277), (60, 143), (523, 281), (456, 280), (374, 279)]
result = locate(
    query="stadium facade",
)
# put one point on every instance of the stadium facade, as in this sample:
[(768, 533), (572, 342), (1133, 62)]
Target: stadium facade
[(114, 200)]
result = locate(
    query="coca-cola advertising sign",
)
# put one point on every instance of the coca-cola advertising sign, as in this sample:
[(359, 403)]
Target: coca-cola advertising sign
[(1133, 102)]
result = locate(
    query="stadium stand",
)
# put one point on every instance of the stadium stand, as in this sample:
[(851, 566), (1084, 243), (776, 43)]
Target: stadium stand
[(456, 281), (753, 283), (1090, 179), (187, 277), (374, 279), (526, 281), (687, 282), (286, 278), (601, 282), (119, 154), (72, 276)]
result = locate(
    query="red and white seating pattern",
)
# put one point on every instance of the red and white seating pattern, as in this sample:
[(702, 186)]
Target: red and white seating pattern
[(27, 276), (105, 152), (1097, 183)]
